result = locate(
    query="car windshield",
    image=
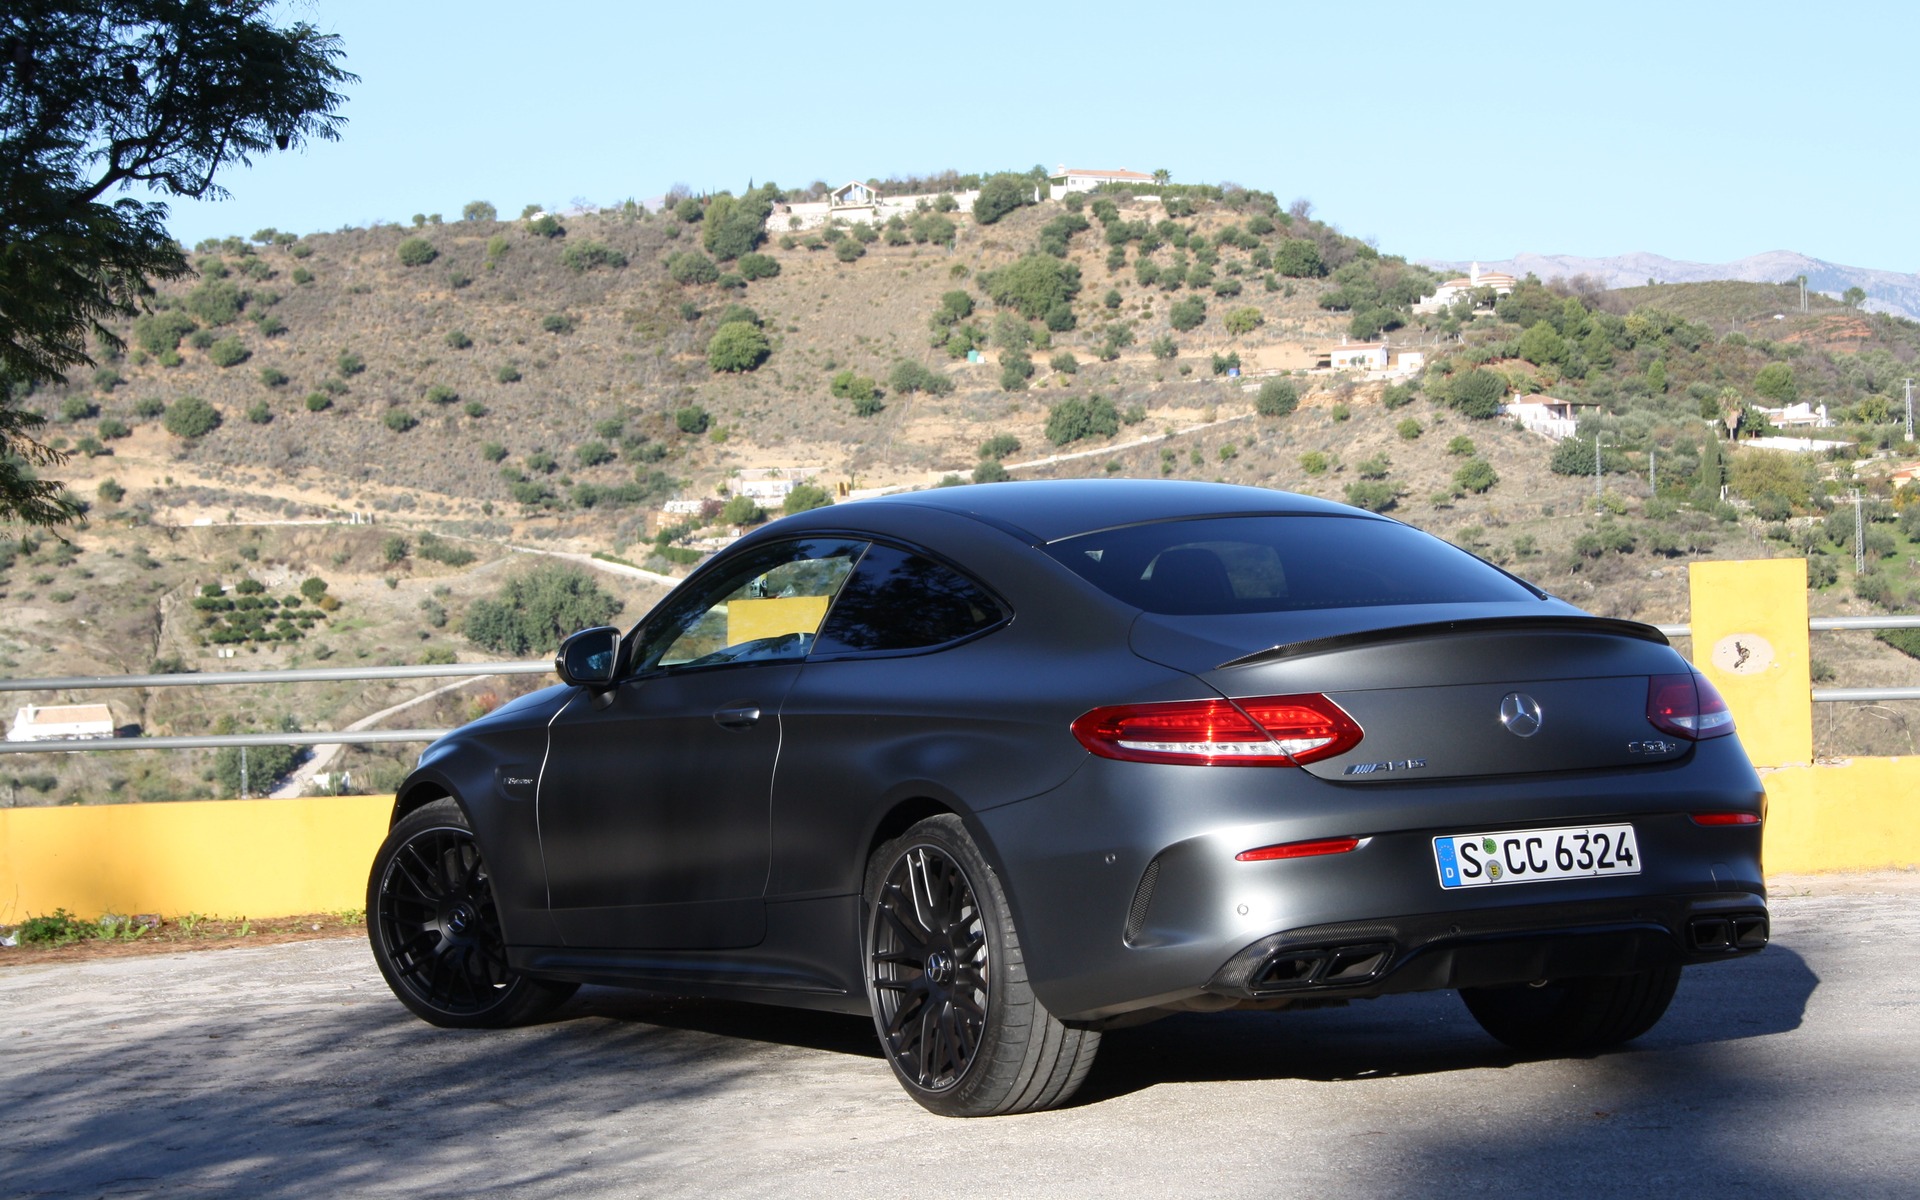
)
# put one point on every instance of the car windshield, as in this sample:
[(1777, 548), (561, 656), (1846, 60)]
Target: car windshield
[(1260, 564)]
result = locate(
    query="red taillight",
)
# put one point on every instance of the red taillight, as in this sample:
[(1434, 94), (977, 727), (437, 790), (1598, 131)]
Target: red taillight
[(1687, 706), (1725, 818), (1266, 731), (1300, 849)]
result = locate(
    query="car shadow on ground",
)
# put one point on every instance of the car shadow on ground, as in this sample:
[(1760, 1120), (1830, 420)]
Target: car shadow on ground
[(834, 1033), (1394, 1036), (1397, 1036)]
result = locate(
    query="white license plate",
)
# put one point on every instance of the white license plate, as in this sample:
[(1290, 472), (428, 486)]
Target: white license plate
[(1535, 855)]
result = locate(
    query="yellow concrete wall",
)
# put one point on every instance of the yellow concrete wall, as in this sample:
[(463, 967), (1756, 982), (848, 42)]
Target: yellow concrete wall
[(228, 858), (1749, 623), (270, 858), (1859, 814)]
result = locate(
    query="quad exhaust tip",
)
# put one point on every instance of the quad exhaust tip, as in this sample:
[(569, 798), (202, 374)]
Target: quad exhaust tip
[(1332, 966), (1727, 934)]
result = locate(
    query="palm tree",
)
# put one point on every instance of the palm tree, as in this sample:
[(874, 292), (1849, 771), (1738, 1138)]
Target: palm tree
[(1162, 176)]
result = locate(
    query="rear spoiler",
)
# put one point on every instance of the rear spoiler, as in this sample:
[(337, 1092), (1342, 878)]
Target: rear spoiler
[(1608, 626)]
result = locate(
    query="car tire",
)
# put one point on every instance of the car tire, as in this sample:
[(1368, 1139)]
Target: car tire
[(1565, 1016), (435, 928), (956, 1017)]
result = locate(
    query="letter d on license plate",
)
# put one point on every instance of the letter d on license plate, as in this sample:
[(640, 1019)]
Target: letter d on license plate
[(1535, 855)]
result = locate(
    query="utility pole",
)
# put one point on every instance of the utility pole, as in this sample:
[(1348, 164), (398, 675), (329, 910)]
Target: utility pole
[(1596, 464), (1859, 535), (243, 772), (1653, 471), (1909, 410)]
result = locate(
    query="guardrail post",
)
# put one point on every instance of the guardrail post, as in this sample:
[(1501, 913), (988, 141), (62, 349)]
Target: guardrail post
[(1750, 638)]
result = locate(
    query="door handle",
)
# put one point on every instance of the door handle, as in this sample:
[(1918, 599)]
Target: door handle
[(737, 718)]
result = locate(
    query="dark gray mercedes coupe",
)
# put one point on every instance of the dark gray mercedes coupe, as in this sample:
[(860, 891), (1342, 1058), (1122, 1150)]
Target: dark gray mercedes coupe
[(1008, 765)]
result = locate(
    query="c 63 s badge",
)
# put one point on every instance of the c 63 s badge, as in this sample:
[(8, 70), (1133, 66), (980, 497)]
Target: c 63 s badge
[(1403, 764), (1652, 746)]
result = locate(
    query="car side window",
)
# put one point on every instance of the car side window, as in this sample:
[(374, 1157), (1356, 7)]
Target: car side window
[(898, 600), (767, 608)]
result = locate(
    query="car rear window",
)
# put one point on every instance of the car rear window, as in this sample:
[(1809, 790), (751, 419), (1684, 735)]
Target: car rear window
[(1257, 564), (898, 600)]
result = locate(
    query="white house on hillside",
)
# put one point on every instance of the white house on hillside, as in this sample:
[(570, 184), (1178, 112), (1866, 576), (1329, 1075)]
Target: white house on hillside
[(1545, 415), (856, 201), (41, 723), (1797, 416), (1081, 179), (1501, 283), (1358, 356)]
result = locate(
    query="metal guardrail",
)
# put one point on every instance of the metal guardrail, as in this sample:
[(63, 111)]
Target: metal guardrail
[(542, 667), (220, 741)]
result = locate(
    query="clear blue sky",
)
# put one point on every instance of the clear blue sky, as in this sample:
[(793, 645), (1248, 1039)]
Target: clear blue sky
[(1700, 131)]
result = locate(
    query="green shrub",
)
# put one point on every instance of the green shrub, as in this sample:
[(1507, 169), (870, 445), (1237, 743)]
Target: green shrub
[(349, 363), (302, 276), (228, 352), (737, 346), (318, 402), (692, 419), (691, 267), (191, 417), (587, 254), (417, 252), (399, 420), (457, 339), (1374, 496), (741, 510), (438, 549), (216, 302), (999, 446), (1074, 419), (1276, 398), (1409, 429), (1244, 319), (546, 225), (78, 408), (908, 377), (440, 393), (1461, 446), (1187, 314), (1065, 363), (159, 332), (593, 453), (273, 377), (508, 373), (110, 492), (847, 250), (557, 323), (1001, 194), (991, 470), (493, 452), (259, 413), (534, 611), (757, 266), (479, 210), (805, 497), (474, 409), (1163, 347), (112, 428)]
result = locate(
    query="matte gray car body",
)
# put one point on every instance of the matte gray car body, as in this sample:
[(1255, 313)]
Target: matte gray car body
[(710, 831)]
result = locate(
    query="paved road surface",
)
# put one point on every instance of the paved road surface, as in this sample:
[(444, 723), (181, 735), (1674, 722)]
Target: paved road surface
[(289, 1071)]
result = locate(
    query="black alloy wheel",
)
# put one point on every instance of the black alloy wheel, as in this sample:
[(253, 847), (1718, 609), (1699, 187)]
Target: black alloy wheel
[(436, 930), (931, 965), (959, 1023)]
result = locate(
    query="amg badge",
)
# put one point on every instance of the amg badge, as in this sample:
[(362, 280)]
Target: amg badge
[(1404, 764)]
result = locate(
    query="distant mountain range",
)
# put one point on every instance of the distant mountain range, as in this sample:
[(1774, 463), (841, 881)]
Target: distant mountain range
[(1887, 291)]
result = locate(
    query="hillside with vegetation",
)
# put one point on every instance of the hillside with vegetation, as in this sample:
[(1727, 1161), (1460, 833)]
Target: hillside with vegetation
[(481, 388)]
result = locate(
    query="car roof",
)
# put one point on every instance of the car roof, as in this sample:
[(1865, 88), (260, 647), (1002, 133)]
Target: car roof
[(1046, 510)]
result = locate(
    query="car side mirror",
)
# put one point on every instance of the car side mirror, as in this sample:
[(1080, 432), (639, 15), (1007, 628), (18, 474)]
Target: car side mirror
[(589, 658)]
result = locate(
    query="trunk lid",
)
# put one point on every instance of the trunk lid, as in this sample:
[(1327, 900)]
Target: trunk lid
[(1444, 698)]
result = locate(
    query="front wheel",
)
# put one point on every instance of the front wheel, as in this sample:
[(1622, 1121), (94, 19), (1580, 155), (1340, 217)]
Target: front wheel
[(1567, 1016), (436, 930), (960, 1025)]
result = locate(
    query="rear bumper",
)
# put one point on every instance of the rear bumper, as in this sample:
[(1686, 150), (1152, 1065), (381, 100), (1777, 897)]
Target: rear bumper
[(1127, 893), (1485, 949)]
